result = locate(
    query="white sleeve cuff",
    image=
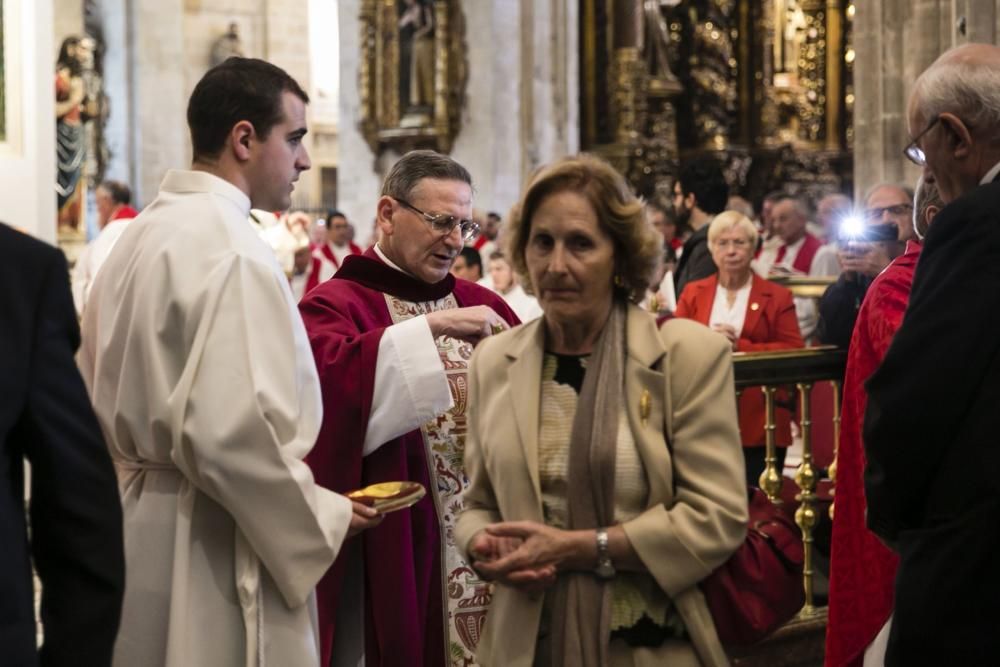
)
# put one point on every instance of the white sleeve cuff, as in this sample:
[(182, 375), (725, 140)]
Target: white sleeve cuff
[(411, 386)]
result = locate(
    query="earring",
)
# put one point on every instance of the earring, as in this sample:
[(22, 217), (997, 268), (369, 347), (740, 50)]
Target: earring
[(619, 281)]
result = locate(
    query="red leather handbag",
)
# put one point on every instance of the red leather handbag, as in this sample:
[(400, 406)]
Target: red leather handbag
[(760, 587)]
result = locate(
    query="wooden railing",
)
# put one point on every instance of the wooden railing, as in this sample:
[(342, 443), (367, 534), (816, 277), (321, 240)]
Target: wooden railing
[(801, 642)]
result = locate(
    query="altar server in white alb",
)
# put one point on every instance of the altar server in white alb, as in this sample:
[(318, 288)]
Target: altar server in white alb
[(199, 368)]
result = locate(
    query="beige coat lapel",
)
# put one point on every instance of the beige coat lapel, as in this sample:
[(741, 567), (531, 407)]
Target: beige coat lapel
[(525, 374), (644, 397)]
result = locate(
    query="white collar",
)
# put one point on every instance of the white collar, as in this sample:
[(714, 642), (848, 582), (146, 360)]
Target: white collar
[(389, 262), (183, 180), (991, 174)]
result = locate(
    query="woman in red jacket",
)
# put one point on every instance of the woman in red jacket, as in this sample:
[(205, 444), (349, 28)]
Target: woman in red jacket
[(754, 314)]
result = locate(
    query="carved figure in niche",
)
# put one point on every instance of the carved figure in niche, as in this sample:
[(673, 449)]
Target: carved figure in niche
[(73, 108), (416, 60), (657, 41), (790, 25), (228, 45)]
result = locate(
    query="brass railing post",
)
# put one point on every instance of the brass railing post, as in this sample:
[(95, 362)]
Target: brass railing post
[(770, 479), (805, 477)]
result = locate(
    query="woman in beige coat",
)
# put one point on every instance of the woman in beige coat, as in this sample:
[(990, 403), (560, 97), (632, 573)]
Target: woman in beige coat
[(595, 530)]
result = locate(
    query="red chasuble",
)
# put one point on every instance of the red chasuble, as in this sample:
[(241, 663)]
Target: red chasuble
[(423, 606), (862, 569)]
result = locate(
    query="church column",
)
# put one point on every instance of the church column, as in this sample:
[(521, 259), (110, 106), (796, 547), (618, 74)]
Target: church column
[(28, 146), (160, 139), (896, 40)]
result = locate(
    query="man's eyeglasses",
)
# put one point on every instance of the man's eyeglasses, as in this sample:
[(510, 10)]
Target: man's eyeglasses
[(913, 151), (897, 209), (444, 223)]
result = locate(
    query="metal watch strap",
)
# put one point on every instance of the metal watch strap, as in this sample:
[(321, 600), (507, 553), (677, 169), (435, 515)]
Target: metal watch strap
[(605, 568)]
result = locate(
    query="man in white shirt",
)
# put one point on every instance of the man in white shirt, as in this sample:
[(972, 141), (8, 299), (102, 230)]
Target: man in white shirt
[(338, 243), (506, 284), (113, 213), (201, 376)]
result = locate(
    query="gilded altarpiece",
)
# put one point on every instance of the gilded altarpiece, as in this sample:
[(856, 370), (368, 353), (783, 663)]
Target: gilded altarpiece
[(764, 84), (413, 73)]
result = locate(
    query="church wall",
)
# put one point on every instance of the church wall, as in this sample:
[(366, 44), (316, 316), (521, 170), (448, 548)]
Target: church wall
[(521, 102), (27, 159), (896, 40), (157, 52)]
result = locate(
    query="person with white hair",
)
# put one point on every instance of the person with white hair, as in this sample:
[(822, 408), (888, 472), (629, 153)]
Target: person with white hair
[(932, 424), (754, 315)]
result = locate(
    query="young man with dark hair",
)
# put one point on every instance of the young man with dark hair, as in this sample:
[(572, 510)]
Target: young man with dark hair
[(201, 376), (700, 193), (468, 265), (338, 243)]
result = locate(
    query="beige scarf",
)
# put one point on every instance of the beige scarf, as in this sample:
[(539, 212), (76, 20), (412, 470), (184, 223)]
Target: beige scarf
[(581, 617)]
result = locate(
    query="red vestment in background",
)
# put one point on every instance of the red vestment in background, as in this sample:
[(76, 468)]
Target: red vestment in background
[(404, 574), (862, 569)]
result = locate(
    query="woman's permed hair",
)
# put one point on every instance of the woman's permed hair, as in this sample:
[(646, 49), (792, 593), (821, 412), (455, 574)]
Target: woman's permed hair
[(620, 214)]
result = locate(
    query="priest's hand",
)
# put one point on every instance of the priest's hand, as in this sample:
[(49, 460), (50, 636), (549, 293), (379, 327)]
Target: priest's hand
[(471, 324), (364, 517)]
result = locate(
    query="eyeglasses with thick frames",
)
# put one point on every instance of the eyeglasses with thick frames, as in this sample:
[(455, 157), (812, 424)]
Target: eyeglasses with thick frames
[(878, 211), (913, 151), (442, 223)]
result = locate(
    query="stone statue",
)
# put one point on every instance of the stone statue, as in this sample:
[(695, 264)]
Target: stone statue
[(416, 57), (228, 45)]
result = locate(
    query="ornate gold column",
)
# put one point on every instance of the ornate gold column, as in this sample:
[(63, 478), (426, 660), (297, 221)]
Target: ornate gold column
[(834, 101)]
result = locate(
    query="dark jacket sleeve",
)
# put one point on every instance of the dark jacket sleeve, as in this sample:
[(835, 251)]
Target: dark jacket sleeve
[(76, 518), (699, 265), (936, 390), (838, 310)]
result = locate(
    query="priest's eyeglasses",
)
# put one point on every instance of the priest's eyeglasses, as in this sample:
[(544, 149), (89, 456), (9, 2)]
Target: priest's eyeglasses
[(444, 223), (913, 151)]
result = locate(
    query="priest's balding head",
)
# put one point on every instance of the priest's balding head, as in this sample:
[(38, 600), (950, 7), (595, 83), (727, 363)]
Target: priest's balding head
[(424, 214), (247, 119), (954, 119)]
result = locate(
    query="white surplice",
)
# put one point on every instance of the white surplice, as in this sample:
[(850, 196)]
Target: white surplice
[(204, 383)]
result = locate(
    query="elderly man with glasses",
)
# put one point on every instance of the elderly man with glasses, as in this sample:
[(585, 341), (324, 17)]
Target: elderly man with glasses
[(932, 427), (392, 333)]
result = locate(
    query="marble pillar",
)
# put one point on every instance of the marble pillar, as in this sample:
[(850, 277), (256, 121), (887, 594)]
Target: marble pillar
[(895, 40), (28, 152)]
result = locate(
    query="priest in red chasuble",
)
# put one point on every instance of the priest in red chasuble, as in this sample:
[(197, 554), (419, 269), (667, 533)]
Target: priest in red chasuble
[(392, 333), (862, 569)]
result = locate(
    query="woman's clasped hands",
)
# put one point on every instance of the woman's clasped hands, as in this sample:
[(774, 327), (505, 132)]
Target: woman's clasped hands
[(522, 554)]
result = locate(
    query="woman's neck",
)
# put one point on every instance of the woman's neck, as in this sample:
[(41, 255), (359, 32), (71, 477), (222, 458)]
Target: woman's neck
[(734, 281), (578, 335)]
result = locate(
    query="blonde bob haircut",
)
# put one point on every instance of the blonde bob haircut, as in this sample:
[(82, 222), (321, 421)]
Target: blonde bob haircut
[(728, 220), (619, 213)]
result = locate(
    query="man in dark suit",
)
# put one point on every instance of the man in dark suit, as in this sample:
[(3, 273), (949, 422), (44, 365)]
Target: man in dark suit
[(75, 515), (700, 193), (932, 429)]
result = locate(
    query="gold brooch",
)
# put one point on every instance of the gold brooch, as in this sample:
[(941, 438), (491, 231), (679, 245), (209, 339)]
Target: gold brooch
[(644, 406), (754, 306)]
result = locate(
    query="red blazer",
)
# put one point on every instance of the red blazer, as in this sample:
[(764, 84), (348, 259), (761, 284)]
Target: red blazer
[(770, 324)]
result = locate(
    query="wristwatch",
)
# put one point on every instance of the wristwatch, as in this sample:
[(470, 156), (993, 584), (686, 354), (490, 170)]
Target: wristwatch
[(605, 568)]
